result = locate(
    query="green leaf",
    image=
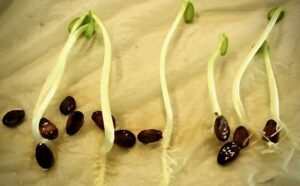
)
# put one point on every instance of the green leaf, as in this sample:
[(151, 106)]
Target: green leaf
[(224, 45), (89, 22), (90, 30), (271, 13), (189, 13), (72, 24)]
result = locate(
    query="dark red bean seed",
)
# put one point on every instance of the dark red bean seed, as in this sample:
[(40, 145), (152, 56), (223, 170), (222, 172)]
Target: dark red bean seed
[(221, 127), (149, 136), (241, 137), (47, 129), (13, 118), (227, 153), (269, 130), (124, 138), (97, 117), (68, 105), (74, 122), (44, 156)]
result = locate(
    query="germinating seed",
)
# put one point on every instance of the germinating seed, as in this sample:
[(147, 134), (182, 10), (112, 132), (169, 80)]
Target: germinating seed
[(270, 131), (97, 117), (221, 128), (44, 156), (149, 136), (47, 129), (241, 137), (228, 152), (124, 138), (68, 105), (13, 118), (74, 122)]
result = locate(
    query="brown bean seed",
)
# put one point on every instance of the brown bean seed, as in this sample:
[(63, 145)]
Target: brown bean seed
[(47, 129), (149, 136), (74, 122), (13, 118), (221, 127), (68, 105), (124, 138), (270, 131), (44, 156), (227, 153), (97, 117), (241, 137)]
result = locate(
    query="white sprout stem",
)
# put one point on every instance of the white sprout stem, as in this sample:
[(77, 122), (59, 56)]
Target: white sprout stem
[(104, 90), (236, 83), (274, 98), (163, 82), (273, 91), (167, 103), (105, 105), (211, 80), (52, 82)]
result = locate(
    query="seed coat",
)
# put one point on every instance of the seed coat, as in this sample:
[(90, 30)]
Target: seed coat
[(97, 117), (13, 118), (47, 129), (74, 122), (68, 105), (241, 137), (221, 128), (149, 136), (124, 138), (270, 131), (44, 156), (227, 153)]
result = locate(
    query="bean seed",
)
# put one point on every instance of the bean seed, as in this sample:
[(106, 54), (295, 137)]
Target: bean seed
[(270, 131), (124, 138), (221, 127), (241, 137), (149, 136), (228, 152), (47, 129), (97, 117), (68, 105), (74, 122), (13, 118), (44, 156)]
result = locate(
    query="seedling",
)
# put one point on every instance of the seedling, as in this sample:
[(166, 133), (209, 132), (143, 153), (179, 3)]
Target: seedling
[(52, 82), (221, 127), (105, 105), (274, 106), (165, 157), (237, 81)]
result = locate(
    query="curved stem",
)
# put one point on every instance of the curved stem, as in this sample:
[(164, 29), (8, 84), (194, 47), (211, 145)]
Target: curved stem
[(163, 82), (104, 89), (273, 91), (52, 82), (236, 83), (211, 80), (167, 103), (105, 105), (274, 98)]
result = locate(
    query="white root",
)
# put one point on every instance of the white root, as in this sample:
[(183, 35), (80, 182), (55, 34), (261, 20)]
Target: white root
[(105, 105), (167, 103)]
